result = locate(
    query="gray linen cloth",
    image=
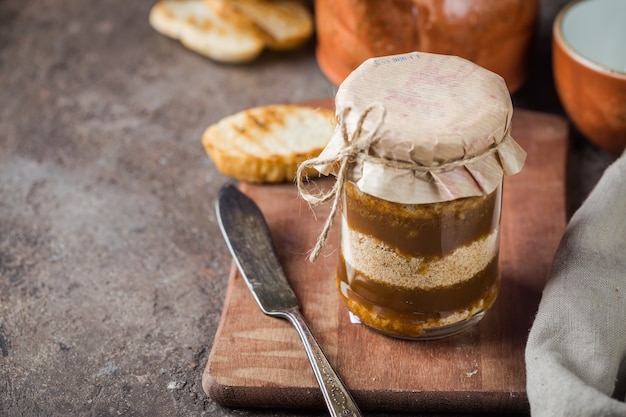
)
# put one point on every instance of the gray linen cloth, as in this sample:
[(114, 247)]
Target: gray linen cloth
[(576, 350)]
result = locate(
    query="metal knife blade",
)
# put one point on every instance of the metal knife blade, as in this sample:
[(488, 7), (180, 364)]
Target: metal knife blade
[(249, 241)]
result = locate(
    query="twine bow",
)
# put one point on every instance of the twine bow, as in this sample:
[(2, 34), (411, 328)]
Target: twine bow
[(353, 146)]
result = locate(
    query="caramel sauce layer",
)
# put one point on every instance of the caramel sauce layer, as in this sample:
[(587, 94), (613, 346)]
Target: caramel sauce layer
[(424, 230)]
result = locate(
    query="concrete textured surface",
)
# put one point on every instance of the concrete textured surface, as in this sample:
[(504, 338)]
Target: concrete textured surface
[(112, 269)]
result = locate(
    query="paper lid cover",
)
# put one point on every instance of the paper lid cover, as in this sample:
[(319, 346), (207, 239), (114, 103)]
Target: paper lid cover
[(419, 128)]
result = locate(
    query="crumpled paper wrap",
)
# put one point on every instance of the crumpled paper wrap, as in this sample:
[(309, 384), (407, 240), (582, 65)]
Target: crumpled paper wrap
[(576, 350), (443, 121)]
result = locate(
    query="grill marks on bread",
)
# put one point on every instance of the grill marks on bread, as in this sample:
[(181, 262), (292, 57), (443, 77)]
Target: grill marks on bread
[(266, 144)]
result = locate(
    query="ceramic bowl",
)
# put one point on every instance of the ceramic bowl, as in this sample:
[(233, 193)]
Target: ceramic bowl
[(589, 67), (495, 34)]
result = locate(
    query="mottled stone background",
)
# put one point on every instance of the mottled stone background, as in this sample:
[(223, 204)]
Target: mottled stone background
[(112, 269)]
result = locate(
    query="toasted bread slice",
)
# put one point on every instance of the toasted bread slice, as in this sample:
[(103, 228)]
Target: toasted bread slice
[(266, 144), (287, 24), (226, 37)]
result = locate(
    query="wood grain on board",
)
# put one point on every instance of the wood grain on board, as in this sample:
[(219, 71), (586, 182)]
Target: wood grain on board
[(259, 361)]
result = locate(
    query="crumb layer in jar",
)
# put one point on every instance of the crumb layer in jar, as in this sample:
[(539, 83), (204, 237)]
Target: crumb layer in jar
[(415, 300), (376, 261)]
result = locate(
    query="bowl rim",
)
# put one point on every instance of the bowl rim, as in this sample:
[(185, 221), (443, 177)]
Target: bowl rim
[(582, 59)]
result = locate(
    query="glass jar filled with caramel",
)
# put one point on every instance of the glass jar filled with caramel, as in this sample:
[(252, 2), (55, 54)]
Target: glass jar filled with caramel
[(420, 151), (419, 270)]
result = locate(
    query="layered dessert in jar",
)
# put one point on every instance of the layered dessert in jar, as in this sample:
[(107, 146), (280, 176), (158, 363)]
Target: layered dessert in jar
[(419, 270), (421, 147)]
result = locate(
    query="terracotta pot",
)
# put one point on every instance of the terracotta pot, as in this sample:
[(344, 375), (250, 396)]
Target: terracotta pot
[(589, 67), (496, 34)]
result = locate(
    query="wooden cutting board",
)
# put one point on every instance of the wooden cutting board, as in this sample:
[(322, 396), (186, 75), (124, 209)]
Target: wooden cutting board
[(259, 361)]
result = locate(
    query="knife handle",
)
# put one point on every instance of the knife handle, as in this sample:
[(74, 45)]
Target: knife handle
[(337, 397)]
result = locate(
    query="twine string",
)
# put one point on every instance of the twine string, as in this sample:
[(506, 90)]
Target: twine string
[(353, 145)]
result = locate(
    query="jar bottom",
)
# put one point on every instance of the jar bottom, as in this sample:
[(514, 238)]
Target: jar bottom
[(439, 332), (417, 326)]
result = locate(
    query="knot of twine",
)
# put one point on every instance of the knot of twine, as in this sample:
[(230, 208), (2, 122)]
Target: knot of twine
[(356, 146), (352, 146)]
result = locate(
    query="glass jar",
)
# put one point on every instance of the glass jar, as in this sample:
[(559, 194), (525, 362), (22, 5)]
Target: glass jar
[(419, 270), (420, 149)]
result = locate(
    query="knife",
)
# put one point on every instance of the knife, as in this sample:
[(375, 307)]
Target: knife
[(249, 241)]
